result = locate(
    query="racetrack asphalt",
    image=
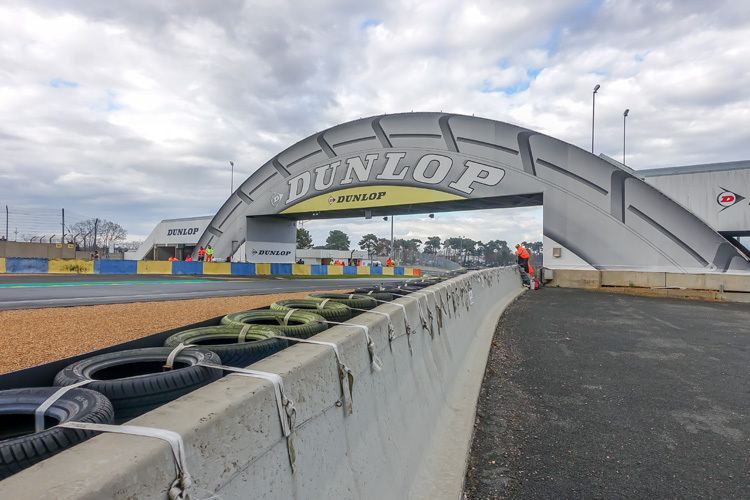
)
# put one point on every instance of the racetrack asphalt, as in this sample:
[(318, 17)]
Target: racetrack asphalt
[(21, 291), (595, 395)]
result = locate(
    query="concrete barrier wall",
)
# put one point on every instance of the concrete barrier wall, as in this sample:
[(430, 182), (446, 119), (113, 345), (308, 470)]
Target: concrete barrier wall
[(596, 279), (408, 435), (29, 250), (88, 266)]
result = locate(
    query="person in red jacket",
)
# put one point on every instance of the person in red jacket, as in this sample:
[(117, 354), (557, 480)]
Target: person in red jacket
[(522, 257)]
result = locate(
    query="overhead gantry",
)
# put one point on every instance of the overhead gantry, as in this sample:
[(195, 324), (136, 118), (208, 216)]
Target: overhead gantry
[(416, 163)]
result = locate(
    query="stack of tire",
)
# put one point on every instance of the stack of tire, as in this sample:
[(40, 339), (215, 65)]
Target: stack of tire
[(352, 300), (125, 384), (297, 323), (331, 310), (136, 381), (21, 447)]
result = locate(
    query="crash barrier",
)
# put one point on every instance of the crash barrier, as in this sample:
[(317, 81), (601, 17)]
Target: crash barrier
[(714, 286), (82, 266), (379, 406)]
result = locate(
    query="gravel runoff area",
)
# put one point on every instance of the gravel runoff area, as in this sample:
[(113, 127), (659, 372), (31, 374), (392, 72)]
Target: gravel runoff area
[(30, 337), (598, 395)]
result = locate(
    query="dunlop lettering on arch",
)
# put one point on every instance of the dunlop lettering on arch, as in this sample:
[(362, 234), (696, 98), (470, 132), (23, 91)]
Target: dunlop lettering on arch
[(600, 215)]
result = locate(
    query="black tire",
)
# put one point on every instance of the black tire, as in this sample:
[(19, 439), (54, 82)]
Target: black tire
[(134, 382), (301, 324), (350, 299), (424, 282), (260, 342), (419, 284), (334, 311), (21, 447), (376, 293), (402, 290)]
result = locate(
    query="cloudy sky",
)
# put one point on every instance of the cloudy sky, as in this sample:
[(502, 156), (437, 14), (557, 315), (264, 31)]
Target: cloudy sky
[(131, 110)]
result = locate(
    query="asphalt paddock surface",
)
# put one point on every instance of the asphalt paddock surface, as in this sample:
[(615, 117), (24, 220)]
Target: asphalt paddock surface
[(599, 395)]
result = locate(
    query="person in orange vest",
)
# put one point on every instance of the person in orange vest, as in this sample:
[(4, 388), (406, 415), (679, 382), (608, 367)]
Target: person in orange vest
[(201, 254), (389, 262), (523, 258)]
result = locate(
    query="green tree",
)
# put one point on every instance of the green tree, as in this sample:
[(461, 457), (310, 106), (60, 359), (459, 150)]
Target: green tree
[(304, 239), (368, 242), (337, 240), (432, 245), (383, 246)]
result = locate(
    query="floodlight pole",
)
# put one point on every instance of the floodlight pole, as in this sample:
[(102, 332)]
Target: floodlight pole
[(593, 111), (393, 252), (624, 116), (231, 188)]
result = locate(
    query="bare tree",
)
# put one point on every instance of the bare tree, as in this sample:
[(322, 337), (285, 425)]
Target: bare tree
[(110, 232), (91, 233), (82, 233)]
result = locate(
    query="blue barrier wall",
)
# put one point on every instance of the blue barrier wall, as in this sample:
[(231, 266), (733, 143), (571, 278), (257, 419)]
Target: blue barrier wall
[(182, 267), (350, 269), (398, 271), (376, 270), (316, 270), (281, 269), (23, 265), (115, 267), (243, 268)]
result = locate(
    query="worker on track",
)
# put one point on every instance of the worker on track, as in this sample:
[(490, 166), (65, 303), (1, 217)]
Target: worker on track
[(522, 257)]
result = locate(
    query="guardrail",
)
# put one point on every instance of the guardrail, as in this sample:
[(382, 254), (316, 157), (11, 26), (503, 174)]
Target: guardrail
[(402, 429)]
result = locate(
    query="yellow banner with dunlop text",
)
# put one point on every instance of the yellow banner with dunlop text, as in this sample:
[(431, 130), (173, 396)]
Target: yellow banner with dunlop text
[(369, 197)]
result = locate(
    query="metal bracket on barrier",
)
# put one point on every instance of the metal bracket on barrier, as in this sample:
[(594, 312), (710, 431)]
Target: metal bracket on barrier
[(422, 319), (407, 328), (180, 486), (346, 377), (287, 411), (429, 311), (391, 331), (375, 362)]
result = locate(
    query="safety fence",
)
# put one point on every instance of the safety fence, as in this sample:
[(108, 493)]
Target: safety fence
[(378, 406), (81, 266)]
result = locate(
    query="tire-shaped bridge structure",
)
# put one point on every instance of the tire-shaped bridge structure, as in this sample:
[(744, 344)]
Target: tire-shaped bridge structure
[(414, 163)]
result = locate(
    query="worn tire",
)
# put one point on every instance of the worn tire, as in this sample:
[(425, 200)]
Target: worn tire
[(334, 311), (302, 324), (350, 299), (376, 293), (133, 380), (422, 283), (402, 290), (260, 342), (21, 447)]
